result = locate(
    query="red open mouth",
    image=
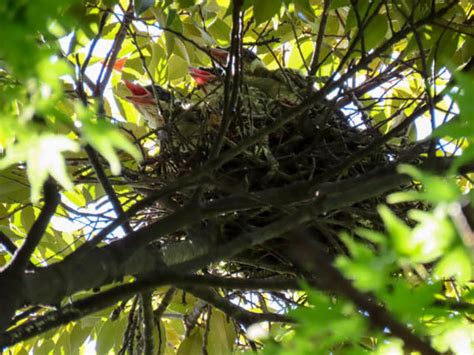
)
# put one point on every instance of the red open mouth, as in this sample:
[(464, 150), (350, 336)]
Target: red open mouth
[(140, 95), (200, 76), (136, 90)]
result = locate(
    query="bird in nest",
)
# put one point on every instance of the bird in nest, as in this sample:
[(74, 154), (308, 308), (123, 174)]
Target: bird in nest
[(152, 101), (284, 85), (210, 81), (157, 106)]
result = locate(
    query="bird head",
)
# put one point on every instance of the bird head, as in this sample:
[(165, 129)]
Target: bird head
[(250, 61), (151, 108), (139, 94), (206, 77), (143, 95)]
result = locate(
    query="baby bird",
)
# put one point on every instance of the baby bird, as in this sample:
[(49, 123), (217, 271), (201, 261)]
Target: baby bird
[(152, 108)]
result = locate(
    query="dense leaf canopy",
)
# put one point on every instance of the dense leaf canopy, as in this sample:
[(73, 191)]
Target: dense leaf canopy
[(217, 176)]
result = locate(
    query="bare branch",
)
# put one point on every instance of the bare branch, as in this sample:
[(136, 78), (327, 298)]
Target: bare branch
[(147, 309), (240, 314), (21, 258)]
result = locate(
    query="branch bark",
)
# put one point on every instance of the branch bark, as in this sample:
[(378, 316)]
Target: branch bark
[(239, 314)]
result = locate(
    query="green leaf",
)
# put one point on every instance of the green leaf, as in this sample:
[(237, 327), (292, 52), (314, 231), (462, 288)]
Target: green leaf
[(455, 263), (335, 4), (375, 32), (264, 10), (455, 335), (421, 297), (219, 30), (27, 218), (177, 68), (304, 11), (431, 237), (363, 262), (109, 334), (192, 345), (107, 139), (43, 156), (13, 186), (427, 241), (436, 188), (397, 229), (327, 322), (222, 334), (393, 347)]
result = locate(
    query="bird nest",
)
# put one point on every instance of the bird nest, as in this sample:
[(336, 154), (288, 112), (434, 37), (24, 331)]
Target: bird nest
[(305, 149)]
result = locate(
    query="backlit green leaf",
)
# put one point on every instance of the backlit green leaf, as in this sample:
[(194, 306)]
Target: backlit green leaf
[(43, 154), (455, 263), (107, 139)]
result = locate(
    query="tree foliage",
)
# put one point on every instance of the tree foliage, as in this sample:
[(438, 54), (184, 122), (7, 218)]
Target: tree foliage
[(318, 202)]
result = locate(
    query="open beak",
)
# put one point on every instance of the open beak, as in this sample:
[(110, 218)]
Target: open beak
[(219, 55), (200, 76), (140, 95)]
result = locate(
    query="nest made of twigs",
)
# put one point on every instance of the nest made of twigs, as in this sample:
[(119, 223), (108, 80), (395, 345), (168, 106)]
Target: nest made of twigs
[(317, 140)]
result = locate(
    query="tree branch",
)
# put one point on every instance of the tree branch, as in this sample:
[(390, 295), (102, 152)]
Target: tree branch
[(147, 308), (314, 65), (232, 79), (308, 255), (11, 248), (108, 188), (129, 255), (21, 258), (241, 315), (94, 303)]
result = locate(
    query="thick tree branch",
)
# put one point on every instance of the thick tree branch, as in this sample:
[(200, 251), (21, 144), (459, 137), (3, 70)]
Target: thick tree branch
[(11, 276), (91, 304), (21, 258), (128, 255)]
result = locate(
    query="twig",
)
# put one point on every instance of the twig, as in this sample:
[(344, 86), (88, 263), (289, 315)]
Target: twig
[(314, 65), (11, 248), (117, 45), (106, 184), (233, 76)]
